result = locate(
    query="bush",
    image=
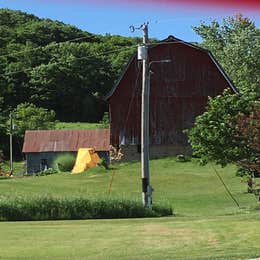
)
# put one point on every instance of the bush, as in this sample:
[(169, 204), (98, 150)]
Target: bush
[(182, 158), (105, 120), (241, 172), (104, 164), (47, 172), (50, 208), (64, 162)]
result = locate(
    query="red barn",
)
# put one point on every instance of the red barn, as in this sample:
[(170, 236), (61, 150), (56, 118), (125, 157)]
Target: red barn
[(179, 92)]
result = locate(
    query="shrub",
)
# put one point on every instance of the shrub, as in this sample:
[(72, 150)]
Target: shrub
[(50, 208), (1, 156), (182, 158), (241, 172), (64, 162), (105, 120), (5, 177), (104, 163), (47, 172)]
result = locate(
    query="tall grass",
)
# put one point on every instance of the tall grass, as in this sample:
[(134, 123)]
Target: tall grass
[(50, 208)]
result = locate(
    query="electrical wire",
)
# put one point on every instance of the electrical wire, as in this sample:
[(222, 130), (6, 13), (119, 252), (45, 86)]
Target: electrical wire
[(75, 58), (132, 99), (156, 21), (99, 54), (225, 186), (111, 181), (42, 47), (85, 57)]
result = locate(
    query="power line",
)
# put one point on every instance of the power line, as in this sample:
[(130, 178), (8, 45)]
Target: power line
[(79, 58), (9, 54), (53, 44), (225, 186), (99, 54), (42, 47)]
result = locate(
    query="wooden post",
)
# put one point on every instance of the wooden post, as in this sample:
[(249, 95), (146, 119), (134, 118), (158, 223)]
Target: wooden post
[(11, 143), (146, 188)]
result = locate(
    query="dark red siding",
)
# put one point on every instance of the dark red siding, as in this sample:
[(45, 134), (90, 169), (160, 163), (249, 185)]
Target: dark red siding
[(179, 92)]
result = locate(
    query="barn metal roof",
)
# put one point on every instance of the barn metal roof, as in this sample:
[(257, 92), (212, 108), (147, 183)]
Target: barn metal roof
[(170, 40), (66, 140)]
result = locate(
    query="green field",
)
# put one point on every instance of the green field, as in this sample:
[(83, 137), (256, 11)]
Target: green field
[(78, 125), (207, 225)]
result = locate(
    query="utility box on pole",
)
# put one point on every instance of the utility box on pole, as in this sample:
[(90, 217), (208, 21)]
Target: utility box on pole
[(142, 52)]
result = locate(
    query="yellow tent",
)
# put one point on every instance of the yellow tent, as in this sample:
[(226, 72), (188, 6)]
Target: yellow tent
[(86, 158)]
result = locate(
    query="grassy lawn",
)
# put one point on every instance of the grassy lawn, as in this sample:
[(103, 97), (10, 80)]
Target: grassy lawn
[(229, 237), (207, 225), (78, 125)]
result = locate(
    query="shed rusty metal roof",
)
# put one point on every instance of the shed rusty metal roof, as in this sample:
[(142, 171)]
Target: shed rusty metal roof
[(66, 140)]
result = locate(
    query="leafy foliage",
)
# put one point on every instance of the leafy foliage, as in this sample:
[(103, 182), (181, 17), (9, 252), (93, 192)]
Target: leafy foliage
[(248, 131), (29, 117), (228, 132), (57, 67), (236, 45), (215, 135), (105, 120), (49, 171), (64, 162)]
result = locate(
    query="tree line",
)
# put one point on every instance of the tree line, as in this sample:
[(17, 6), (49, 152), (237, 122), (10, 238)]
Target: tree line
[(57, 67)]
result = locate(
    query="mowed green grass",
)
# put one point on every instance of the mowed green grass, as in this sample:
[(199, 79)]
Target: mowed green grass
[(191, 189), (207, 225), (78, 125), (229, 237)]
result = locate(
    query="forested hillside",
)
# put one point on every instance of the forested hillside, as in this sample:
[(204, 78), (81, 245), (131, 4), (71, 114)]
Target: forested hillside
[(57, 66)]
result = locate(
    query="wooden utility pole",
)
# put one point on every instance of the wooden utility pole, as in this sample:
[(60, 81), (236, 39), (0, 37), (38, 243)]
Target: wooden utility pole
[(11, 144), (143, 55), (146, 188)]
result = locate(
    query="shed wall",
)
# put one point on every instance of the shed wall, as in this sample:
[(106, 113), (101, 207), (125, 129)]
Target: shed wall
[(34, 160)]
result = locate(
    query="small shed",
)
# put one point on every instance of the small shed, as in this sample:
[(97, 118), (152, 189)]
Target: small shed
[(41, 147), (179, 92)]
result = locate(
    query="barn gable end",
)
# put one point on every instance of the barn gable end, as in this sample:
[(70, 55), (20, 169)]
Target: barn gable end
[(179, 91)]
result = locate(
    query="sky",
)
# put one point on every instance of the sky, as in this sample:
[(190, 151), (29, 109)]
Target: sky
[(165, 17)]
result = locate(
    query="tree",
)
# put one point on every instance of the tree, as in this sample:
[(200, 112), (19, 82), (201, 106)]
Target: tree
[(2, 127), (45, 63), (221, 133), (248, 131), (236, 45), (27, 116), (228, 132)]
